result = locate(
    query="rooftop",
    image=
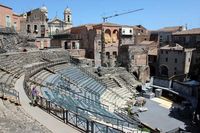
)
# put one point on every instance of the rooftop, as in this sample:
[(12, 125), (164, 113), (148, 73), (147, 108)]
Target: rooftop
[(147, 42), (5, 6), (188, 32), (171, 29), (175, 47)]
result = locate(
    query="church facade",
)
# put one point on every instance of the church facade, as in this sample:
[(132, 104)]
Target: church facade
[(57, 25)]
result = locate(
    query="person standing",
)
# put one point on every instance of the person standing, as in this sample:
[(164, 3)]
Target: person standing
[(34, 96)]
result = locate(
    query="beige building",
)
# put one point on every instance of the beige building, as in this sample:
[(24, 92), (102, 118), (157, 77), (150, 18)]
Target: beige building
[(34, 24), (174, 60), (57, 25)]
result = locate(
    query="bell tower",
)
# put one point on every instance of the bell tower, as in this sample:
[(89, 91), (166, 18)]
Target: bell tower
[(67, 15)]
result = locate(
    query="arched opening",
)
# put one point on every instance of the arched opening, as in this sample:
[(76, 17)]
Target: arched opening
[(163, 71), (115, 36), (107, 36), (152, 70)]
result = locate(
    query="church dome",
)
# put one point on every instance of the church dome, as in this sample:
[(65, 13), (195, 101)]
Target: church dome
[(44, 9), (67, 10)]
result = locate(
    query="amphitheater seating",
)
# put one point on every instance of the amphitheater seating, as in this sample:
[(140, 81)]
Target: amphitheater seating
[(12, 64), (69, 86)]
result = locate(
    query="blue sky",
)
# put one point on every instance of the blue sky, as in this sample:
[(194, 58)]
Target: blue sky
[(156, 13)]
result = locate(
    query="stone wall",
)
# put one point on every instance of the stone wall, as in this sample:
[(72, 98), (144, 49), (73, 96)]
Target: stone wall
[(161, 82), (183, 89), (77, 52)]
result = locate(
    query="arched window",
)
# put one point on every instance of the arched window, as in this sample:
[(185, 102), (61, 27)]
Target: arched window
[(68, 18), (107, 36), (115, 36)]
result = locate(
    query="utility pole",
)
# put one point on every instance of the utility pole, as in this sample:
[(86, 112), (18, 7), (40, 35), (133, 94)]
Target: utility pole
[(103, 54)]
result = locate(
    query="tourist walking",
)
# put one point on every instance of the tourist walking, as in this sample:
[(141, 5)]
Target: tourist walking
[(34, 94)]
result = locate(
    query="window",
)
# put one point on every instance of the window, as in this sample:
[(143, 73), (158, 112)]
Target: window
[(161, 51), (166, 52), (99, 43), (188, 59), (15, 26), (73, 45), (42, 30), (115, 54), (68, 18), (35, 29), (8, 21), (108, 55), (166, 59), (175, 60), (28, 28), (174, 73), (130, 31)]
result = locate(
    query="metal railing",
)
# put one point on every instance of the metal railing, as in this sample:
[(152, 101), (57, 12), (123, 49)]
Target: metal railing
[(70, 117), (70, 93), (8, 93)]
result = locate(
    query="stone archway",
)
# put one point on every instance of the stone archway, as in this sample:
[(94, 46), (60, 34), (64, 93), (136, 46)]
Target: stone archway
[(164, 70)]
